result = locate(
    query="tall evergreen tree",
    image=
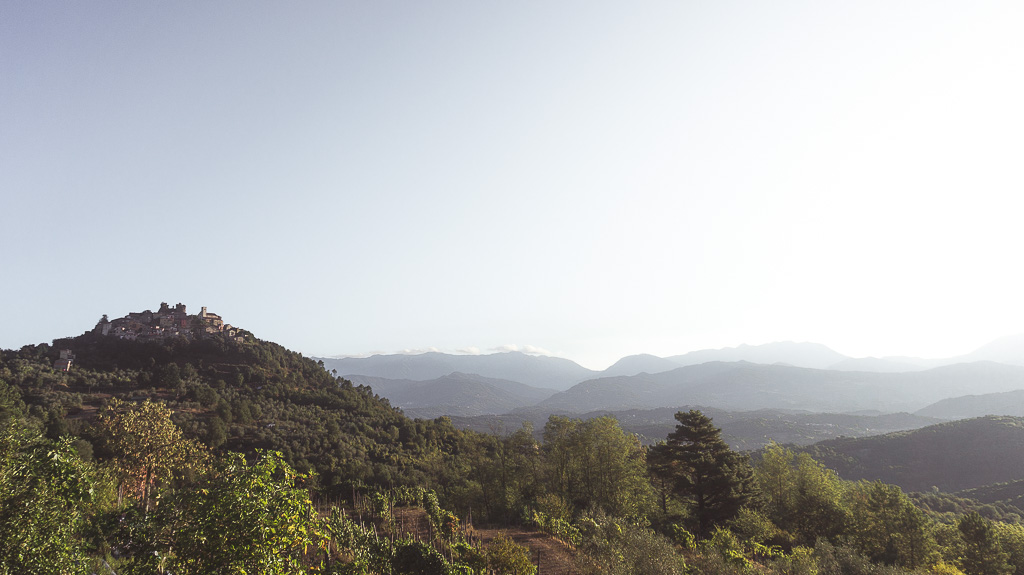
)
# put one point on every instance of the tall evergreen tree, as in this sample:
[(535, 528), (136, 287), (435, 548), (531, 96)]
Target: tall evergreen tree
[(982, 553), (713, 479)]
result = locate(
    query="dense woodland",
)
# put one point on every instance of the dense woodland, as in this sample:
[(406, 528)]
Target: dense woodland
[(217, 456)]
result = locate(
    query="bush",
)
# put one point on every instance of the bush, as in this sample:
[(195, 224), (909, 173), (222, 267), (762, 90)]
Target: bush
[(509, 558)]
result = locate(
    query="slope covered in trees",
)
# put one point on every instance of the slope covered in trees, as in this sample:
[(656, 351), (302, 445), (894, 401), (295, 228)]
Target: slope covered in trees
[(949, 456), (233, 396)]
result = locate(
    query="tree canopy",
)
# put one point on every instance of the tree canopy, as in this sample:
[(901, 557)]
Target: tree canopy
[(715, 481)]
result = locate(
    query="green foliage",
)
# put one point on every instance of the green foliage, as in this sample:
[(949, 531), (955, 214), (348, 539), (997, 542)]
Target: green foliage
[(724, 542), (714, 480), (251, 518), (11, 404), (754, 526), (943, 568), (148, 447), (353, 548), (800, 561), (558, 528), (241, 397), (800, 496), (595, 464), (589, 484), (45, 495), (887, 527), (949, 507), (610, 547), (554, 506), (683, 538), (416, 558), (1011, 541), (986, 450), (982, 553), (844, 560), (507, 557), (468, 560)]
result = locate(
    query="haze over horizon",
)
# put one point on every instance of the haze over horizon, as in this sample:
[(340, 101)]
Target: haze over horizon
[(591, 180), (530, 350)]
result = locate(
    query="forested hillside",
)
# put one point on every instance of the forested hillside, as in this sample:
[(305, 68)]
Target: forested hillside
[(743, 430), (231, 455), (233, 396), (949, 456)]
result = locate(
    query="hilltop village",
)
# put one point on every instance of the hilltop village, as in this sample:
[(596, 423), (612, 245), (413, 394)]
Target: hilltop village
[(167, 322)]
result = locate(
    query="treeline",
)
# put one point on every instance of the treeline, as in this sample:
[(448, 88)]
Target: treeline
[(165, 504), (208, 457)]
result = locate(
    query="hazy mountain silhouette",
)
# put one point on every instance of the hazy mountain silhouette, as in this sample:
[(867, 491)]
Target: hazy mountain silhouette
[(1009, 349), (749, 386), (454, 394), (876, 364), (813, 355), (642, 363), (782, 375), (1006, 403), (534, 370)]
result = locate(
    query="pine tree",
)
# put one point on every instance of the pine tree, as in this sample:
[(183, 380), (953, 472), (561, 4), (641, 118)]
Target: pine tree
[(713, 479), (982, 554)]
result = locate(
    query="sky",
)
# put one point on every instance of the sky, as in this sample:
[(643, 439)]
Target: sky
[(585, 179)]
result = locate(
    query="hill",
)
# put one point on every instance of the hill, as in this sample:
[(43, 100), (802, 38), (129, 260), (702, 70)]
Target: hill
[(459, 394), (878, 364), (234, 393), (951, 456), (742, 386), (1009, 350), (967, 406), (636, 364), (537, 371)]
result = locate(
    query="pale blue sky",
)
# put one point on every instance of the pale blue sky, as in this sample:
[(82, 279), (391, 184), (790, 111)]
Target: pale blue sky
[(593, 179)]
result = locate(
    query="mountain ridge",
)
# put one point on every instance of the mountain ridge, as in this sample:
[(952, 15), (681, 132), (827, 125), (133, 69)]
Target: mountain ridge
[(429, 365), (458, 394)]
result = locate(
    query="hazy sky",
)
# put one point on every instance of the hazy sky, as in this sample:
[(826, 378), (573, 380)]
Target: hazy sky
[(594, 179)]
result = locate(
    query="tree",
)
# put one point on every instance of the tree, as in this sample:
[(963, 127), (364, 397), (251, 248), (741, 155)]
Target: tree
[(982, 552), (712, 479), (148, 446), (1011, 540), (243, 519), (508, 557), (418, 558), (11, 404), (44, 491), (596, 463), (800, 495), (614, 548), (887, 527)]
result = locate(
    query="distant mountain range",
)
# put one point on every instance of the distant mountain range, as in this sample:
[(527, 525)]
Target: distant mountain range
[(742, 386), (454, 394), (533, 370), (784, 375), (813, 355)]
